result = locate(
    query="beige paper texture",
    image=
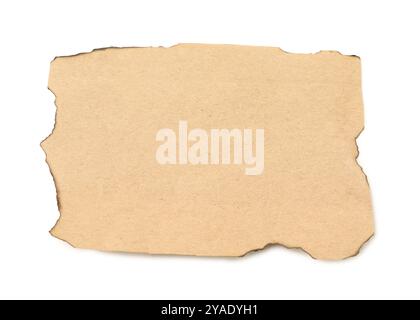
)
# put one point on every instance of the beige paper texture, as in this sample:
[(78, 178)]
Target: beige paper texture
[(138, 166)]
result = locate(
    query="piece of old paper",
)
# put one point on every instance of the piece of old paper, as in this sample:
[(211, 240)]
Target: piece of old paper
[(209, 150)]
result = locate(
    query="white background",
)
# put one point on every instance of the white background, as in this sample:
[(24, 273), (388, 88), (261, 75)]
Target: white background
[(385, 34)]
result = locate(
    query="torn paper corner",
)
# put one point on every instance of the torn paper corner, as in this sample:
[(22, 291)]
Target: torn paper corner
[(209, 150)]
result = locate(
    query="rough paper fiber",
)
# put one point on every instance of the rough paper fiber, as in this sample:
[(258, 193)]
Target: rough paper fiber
[(210, 150)]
